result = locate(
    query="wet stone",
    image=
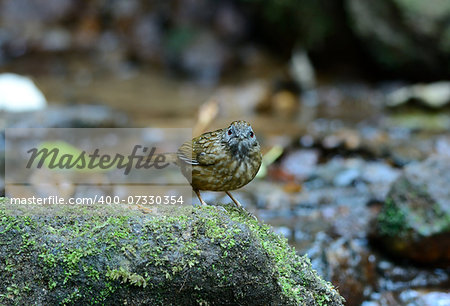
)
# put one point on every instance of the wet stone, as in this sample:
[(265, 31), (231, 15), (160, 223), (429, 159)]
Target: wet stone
[(415, 220)]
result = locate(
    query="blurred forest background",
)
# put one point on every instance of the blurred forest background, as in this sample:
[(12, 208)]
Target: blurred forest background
[(349, 98)]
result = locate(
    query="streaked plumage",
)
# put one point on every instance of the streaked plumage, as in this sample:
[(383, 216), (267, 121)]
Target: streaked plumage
[(222, 160)]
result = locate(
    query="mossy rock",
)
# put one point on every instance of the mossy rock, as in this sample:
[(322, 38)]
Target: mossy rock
[(415, 220), (181, 255)]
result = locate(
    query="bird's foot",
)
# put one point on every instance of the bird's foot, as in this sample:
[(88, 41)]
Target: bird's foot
[(236, 202), (240, 207), (145, 210), (202, 203)]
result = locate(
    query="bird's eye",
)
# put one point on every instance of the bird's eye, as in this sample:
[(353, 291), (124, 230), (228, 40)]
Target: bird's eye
[(229, 132), (252, 134)]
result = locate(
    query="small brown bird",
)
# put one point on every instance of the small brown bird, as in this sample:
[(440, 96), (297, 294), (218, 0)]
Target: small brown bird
[(222, 160)]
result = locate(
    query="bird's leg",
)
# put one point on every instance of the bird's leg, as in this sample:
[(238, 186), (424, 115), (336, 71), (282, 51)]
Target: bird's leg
[(200, 197), (234, 200), (240, 206)]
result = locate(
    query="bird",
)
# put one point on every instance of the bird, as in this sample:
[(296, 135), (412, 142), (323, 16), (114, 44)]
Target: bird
[(222, 160)]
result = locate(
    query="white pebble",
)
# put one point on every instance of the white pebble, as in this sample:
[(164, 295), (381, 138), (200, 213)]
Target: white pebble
[(19, 94)]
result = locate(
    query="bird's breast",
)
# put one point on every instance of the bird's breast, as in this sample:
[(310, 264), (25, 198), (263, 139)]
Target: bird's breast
[(226, 174)]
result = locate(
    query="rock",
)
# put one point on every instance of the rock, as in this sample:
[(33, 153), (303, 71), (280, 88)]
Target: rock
[(395, 277), (442, 145), (301, 163), (411, 38), (378, 172), (434, 95), (19, 94), (347, 262), (415, 220), (351, 265), (346, 177), (340, 171), (176, 255), (349, 139), (302, 70), (427, 297)]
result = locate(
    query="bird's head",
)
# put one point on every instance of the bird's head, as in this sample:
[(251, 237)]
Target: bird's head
[(239, 136)]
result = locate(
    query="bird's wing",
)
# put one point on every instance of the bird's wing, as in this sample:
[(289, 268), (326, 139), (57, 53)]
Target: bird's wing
[(186, 154), (199, 151)]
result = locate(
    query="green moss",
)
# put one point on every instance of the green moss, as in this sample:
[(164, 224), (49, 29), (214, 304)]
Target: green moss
[(286, 263), (97, 258), (411, 211), (392, 220), (127, 277), (73, 261), (322, 300)]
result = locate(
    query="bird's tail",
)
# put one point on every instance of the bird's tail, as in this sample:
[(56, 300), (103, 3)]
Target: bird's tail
[(170, 157)]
